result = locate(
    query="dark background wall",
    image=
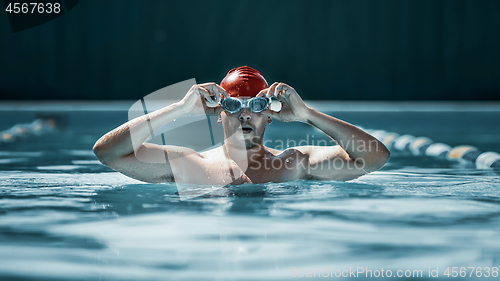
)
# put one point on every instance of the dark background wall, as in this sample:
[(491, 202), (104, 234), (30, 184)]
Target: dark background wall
[(342, 50)]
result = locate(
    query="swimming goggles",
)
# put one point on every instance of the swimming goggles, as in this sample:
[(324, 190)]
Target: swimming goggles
[(256, 104)]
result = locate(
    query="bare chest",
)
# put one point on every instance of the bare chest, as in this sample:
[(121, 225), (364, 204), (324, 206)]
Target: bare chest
[(222, 171), (271, 170)]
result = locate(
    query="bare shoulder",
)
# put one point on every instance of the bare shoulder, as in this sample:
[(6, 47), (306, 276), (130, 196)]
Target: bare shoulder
[(153, 163), (329, 163), (286, 152), (212, 154)]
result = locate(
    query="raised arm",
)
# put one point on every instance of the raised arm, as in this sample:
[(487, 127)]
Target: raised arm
[(147, 161), (357, 152)]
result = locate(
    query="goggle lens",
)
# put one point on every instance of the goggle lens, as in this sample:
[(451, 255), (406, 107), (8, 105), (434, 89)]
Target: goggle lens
[(233, 105), (257, 105)]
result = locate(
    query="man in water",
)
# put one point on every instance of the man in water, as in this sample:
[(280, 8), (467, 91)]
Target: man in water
[(242, 102)]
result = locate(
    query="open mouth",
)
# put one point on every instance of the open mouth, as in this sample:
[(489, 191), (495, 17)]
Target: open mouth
[(246, 129)]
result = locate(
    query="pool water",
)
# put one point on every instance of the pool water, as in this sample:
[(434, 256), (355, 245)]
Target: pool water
[(64, 216)]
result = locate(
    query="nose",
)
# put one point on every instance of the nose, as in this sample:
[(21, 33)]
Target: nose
[(245, 115)]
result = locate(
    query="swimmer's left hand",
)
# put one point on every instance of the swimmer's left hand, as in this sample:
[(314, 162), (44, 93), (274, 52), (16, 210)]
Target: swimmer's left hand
[(293, 107)]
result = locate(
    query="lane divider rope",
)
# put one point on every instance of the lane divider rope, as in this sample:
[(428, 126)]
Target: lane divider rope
[(425, 146), (37, 127)]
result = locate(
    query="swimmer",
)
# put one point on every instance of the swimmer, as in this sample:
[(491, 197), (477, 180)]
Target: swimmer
[(242, 102)]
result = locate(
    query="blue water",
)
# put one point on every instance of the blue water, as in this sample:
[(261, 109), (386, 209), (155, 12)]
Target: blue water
[(64, 216)]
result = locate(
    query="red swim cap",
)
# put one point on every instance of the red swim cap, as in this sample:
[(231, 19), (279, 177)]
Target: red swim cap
[(243, 81)]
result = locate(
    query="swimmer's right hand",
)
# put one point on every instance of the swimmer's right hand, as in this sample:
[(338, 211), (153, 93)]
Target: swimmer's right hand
[(203, 99)]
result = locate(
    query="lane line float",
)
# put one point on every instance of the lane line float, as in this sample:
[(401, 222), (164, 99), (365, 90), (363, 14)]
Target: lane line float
[(425, 146)]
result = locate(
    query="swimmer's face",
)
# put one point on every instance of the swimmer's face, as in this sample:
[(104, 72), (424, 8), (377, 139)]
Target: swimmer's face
[(244, 125)]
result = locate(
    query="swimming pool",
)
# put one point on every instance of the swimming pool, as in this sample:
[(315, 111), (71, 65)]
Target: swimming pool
[(64, 216)]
